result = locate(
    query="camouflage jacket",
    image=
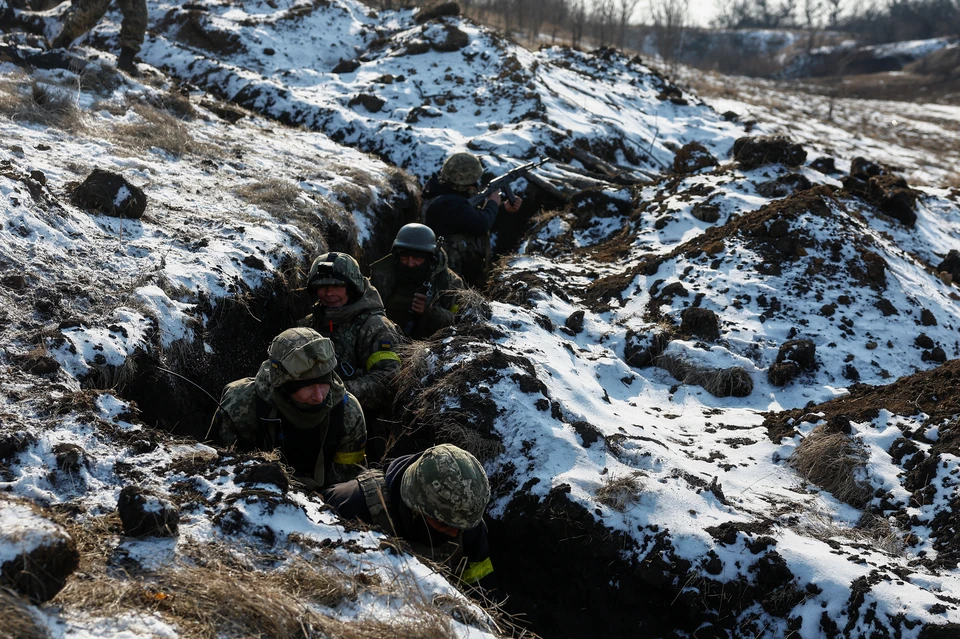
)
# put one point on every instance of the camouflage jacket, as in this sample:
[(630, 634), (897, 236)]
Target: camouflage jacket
[(364, 339), (385, 275), (247, 428), (465, 229)]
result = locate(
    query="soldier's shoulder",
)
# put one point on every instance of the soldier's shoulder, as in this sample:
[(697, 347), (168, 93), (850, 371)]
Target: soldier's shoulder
[(239, 398), (240, 388)]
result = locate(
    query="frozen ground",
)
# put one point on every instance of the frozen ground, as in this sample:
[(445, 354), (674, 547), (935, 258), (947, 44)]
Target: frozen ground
[(701, 523)]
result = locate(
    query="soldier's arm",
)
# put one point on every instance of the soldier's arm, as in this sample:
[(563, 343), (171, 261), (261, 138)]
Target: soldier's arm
[(378, 339), (350, 455), (479, 571)]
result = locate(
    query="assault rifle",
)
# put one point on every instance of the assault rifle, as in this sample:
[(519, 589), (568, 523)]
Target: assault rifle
[(503, 183), (416, 321)]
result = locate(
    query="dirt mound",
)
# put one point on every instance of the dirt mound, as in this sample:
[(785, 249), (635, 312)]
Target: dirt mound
[(776, 235), (943, 63), (692, 157), (753, 152)]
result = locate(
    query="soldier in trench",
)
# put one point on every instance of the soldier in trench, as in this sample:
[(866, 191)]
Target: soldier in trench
[(465, 229), (434, 501), (419, 292), (297, 404), (348, 310)]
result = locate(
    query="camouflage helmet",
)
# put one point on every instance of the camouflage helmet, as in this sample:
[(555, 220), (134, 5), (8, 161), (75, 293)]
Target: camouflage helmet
[(461, 169), (298, 354), (448, 484), (335, 269), (415, 237)]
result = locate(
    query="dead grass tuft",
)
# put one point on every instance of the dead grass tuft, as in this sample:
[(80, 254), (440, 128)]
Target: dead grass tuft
[(173, 102), (157, 129), (211, 595), (98, 78), (871, 529), (17, 621), (276, 196), (41, 103), (834, 462), (474, 307), (427, 397), (719, 382), (621, 492)]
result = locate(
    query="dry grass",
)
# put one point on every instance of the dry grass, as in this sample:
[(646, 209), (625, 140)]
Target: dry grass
[(41, 103), (276, 196), (98, 78), (872, 530), (834, 462), (210, 595), (157, 129), (621, 492), (719, 382), (474, 307), (429, 398), (17, 620)]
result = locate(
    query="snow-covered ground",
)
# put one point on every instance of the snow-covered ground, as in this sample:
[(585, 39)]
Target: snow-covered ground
[(692, 491)]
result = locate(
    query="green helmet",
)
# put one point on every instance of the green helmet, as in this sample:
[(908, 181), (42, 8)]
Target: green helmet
[(461, 169), (448, 484), (335, 269), (298, 354), (418, 238)]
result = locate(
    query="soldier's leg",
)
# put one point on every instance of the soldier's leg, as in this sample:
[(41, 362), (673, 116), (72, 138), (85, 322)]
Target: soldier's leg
[(82, 17), (134, 25)]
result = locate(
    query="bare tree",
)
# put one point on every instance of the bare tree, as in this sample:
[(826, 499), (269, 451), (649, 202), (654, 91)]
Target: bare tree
[(833, 13), (812, 13), (670, 18), (603, 19), (625, 9), (559, 12), (578, 21)]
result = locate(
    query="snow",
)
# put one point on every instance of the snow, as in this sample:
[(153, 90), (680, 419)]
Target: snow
[(151, 285)]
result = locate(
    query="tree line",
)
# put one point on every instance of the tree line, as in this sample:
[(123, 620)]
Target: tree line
[(625, 23), (871, 23)]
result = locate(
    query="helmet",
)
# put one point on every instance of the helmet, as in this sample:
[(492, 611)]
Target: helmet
[(300, 354), (336, 269), (448, 484), (461, 169), (415, 237)]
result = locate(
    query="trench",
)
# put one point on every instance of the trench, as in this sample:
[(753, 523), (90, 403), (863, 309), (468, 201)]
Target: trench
[(564, 574)]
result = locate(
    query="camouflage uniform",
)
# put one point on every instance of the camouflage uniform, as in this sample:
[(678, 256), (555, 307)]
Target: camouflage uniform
[(362, 335), (397, 285), (443, 482), (259, 415), (85, 14)]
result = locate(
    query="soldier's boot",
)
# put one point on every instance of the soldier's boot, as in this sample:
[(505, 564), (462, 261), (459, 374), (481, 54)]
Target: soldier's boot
[(126, 64)]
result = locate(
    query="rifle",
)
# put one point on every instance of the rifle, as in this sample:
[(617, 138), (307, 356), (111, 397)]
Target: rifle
[(415, 320), (503, 183)]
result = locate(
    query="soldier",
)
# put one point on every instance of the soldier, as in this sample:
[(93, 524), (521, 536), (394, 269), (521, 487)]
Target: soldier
[(297, 404), (466, 229), (85, 14), (435, 501), (418, 290), (349, 311)]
